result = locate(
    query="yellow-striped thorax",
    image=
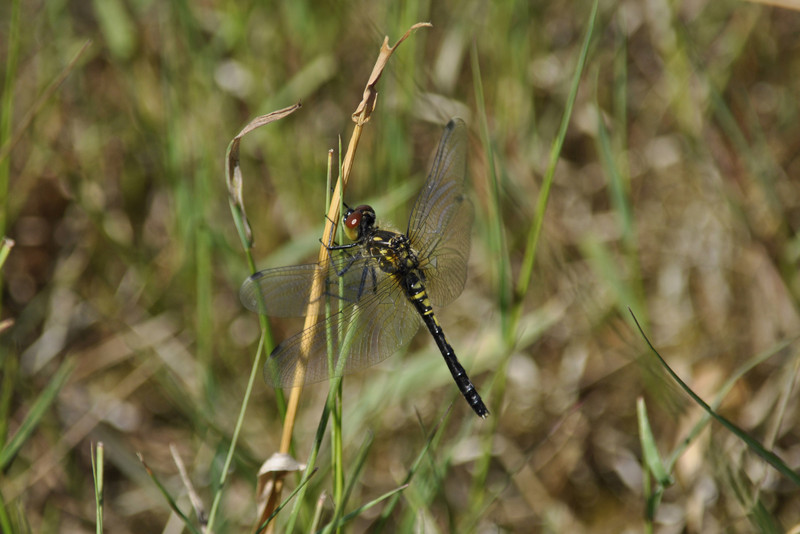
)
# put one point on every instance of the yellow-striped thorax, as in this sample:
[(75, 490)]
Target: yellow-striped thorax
[(392, 249)]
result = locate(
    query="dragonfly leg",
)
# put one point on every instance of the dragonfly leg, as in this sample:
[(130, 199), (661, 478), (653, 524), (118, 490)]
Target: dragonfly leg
[(341, 247), (374, 279), (371, 270), (350, 263), (332, 290)]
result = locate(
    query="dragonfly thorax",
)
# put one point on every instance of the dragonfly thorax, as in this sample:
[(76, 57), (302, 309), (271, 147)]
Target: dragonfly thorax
[(392, 250)]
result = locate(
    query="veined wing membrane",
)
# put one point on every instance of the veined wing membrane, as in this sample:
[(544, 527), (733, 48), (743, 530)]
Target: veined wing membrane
[(446, 270), (442, 195), (440, 223), (286, 291), (360, 335)]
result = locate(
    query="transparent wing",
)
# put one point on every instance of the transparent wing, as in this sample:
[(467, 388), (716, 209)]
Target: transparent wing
[(361, 335), (445, 268), (441, 220), (286, 291)]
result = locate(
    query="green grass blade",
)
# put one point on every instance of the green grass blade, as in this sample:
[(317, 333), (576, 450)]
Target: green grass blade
[(495, 218), (434, 434), (6, 245), (6, 112), (604, 263), (119, 31), (172, 504), (655, 466), (312, 461), (768, 456), (762, 519), (36, 413), (358, 511), (8, 143), (358, 465), (532, 241), (511, 320), (254, 371), (335, 396), (10, 368), (98, 466), (723, 391), (629, 292), (300, 487), (649, 450), (5, 521)]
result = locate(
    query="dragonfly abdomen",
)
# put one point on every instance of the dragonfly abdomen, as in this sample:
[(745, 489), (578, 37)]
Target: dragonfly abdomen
[(415, 291)]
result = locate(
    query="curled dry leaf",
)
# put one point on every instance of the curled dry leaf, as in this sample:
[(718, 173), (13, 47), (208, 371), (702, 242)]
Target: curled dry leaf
[(273, 469), (233, 172), (364, 109)]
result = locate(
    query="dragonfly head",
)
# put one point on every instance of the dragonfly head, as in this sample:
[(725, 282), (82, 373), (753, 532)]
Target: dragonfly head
[(357, 220)]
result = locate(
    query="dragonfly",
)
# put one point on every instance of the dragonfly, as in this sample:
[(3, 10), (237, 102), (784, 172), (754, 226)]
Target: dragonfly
[(383, 284)]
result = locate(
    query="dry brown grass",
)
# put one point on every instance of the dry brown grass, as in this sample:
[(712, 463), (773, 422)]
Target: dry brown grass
[(676, 194)]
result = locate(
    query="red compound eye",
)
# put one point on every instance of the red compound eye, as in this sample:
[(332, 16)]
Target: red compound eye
[(353, 220)]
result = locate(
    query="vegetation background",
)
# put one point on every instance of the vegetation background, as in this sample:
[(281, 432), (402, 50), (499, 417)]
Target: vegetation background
[(676, 194)]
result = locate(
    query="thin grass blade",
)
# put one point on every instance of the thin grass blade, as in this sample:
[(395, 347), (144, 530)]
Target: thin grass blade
[(768, 456), (649, 449), (281, 506), (40, 407), (98, 467), (358, 511), (172, 504)]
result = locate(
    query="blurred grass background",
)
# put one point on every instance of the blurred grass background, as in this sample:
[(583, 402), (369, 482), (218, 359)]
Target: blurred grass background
[(676, 195)]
